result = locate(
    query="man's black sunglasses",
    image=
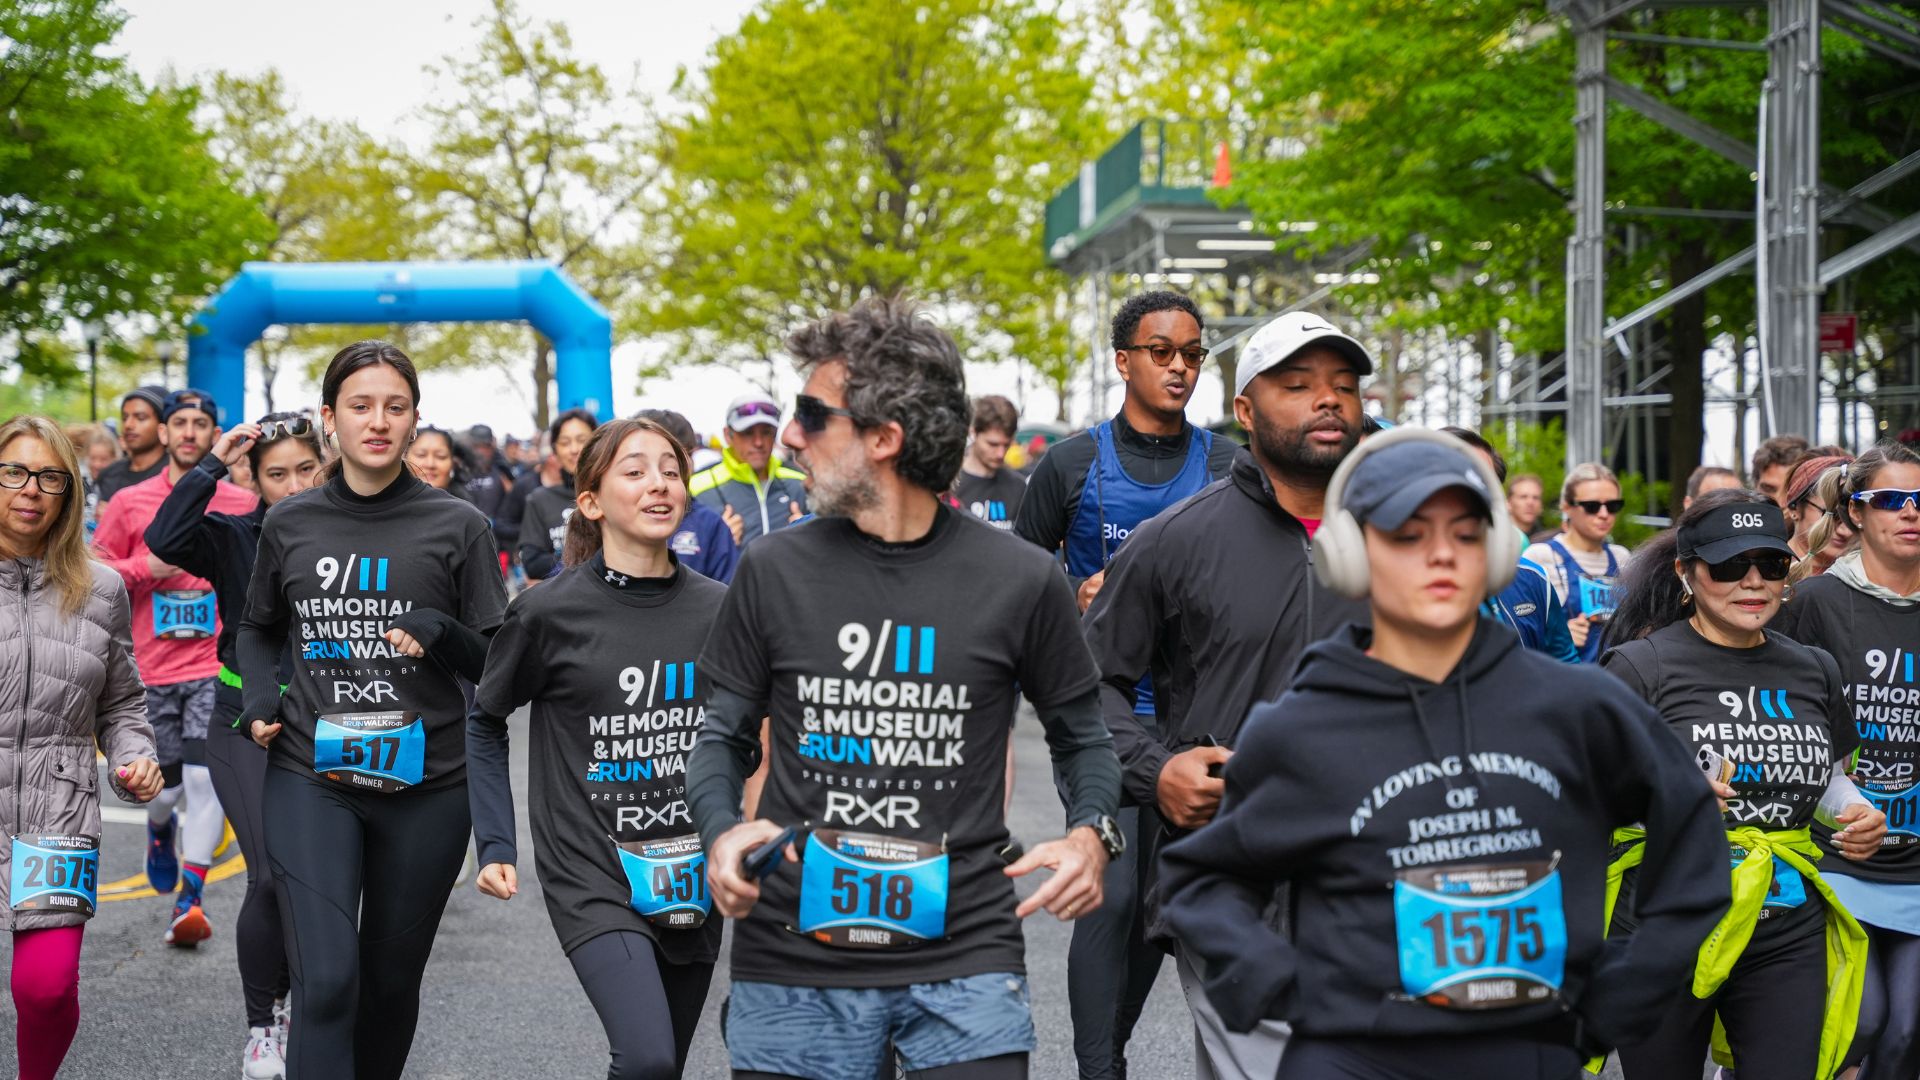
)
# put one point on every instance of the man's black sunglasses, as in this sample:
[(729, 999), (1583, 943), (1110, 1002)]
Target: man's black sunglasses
[(812, 414), (1773, 566)]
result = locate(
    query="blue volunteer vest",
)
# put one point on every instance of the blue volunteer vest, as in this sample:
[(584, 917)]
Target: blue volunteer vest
[(1113, 504), (1588, 595)]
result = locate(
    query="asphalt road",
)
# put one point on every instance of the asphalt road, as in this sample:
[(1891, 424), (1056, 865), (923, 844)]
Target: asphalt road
[(500, 1000)]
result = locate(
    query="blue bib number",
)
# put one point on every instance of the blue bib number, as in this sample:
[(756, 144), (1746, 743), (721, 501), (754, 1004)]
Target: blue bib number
[(1901, 807), (380, 751), (184, 613), (668, 881), (55, 873), (1481, 937), (863, 891), (1596, 596)]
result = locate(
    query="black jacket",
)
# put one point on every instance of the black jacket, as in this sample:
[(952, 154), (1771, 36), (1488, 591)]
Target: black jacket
[(1363, 773), (217, 547), (1217, 596)]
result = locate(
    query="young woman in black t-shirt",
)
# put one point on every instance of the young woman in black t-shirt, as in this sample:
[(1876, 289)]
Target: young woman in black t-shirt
[(387, 590), (1866, 611), (605, 652), (1775, 988)]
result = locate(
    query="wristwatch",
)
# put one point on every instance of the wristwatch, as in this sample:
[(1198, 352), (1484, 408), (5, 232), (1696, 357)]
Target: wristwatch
[(1111, 838)]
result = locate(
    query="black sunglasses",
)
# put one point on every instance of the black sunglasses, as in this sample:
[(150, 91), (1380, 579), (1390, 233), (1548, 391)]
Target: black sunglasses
[(1594, 506), (1773, 566), (812, 414)]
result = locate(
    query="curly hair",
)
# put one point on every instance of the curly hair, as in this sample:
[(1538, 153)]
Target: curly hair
[(1126, 321), (901, 369)]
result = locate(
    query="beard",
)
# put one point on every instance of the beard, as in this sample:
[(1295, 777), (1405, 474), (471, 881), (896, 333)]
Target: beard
[(1292, 451), (186, 459), (842, 490)]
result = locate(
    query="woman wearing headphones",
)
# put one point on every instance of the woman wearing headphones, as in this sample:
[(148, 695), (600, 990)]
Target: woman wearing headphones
[(1439, 799)]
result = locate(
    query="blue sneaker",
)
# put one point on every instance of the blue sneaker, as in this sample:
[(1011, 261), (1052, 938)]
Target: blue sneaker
[(163, 867)]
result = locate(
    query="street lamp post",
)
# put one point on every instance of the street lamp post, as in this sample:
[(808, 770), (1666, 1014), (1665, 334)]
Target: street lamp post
[(164, 350), (91, 331)]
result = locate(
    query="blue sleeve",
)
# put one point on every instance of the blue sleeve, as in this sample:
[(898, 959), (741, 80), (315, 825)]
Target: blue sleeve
[(717, 549), (1555, 639)]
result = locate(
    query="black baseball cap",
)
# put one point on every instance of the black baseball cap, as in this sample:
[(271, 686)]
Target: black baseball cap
[(1734, 529), (190, 398), (481, 434), (1387, 487)]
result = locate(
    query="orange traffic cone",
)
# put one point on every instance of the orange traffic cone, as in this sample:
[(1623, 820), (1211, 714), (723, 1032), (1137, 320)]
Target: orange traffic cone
[(1222, 165)]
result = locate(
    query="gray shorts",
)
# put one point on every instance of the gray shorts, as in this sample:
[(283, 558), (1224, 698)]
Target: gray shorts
[(179, 715), (841, 1034)]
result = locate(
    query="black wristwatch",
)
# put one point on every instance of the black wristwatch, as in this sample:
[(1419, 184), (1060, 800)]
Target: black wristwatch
[(1111, 838)]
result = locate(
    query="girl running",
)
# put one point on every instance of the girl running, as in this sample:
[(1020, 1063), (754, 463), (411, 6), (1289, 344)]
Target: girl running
[(387, 590), (606, 654), (1439, 800)]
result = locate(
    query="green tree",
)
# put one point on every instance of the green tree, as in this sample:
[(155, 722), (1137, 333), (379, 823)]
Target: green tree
[(831, 150), (533, 155), (332, 193), (112, 206)]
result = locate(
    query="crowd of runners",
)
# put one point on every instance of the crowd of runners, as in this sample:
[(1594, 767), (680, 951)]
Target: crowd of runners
[(1405, 784)]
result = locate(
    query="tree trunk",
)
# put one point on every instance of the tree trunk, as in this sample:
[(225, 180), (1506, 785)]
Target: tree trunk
[(1686, 342), (269, 369), (542, 378)]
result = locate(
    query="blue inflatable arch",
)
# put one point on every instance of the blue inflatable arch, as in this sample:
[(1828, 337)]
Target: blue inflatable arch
[(535, 292)]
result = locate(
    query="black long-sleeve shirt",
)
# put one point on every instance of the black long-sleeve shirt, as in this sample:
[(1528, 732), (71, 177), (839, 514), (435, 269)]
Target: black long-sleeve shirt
[(217, 547)]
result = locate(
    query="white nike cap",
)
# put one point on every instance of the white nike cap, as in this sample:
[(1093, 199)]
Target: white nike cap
[(1276, 342)]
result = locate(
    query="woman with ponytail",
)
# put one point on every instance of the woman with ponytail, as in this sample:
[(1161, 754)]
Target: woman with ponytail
[(1866, 611), (1775, 989), (615, 635)]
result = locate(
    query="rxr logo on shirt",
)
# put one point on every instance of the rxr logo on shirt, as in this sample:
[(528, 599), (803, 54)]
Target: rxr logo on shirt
[(885, 812)]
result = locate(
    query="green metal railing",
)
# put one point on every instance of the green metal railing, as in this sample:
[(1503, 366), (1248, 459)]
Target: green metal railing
[(1156, 160)]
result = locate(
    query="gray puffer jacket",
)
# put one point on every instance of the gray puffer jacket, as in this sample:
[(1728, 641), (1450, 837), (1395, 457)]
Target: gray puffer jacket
[(66, 681)]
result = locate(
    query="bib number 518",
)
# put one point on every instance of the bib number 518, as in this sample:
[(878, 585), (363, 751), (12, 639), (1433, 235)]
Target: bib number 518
[(885, 895)]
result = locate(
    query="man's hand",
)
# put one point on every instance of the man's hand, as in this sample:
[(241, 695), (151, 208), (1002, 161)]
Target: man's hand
[(232, 445), (734, 524), (1578, 627), (1089, 589), (1188, 796), (734, 893), (1077, 861), (1861, 827), (498, 880), (158, 568)]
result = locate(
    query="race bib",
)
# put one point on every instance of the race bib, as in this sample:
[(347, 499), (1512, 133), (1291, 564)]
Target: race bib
[(372, 751), (55, 873), (668, 879), (1596, 596), (1902, 808), (862, 891), (184, 613), (1481, 937)]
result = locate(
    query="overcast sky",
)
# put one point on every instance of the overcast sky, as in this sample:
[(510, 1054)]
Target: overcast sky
[(364, 60)]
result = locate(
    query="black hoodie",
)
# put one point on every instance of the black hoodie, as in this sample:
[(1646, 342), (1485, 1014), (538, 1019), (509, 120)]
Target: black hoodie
[(1363, 772)]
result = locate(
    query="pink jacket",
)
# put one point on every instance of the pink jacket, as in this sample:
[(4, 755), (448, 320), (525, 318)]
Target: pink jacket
[(121, 543)]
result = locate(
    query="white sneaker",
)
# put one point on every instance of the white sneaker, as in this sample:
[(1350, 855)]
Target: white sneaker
[(262, 1060), (282, 1020)]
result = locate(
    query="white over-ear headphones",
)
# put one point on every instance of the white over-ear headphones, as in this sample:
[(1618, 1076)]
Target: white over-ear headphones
[(1340, 548)]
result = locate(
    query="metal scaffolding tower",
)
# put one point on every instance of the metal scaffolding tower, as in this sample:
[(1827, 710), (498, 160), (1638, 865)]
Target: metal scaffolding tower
[(1606, 378)]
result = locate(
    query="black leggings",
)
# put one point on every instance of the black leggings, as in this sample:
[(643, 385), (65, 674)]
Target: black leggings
[(1889, 1034), (1433, 1058), (239, 770), (1771, 1006), (1004, 1067), (390, 859), (1110, 966), (649, 1007)]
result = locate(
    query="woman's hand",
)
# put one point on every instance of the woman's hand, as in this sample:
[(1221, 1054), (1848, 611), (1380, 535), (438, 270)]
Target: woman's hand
[(498, 880), (264, 733), (141, 778), (232, 444), (406, 643), (1861, 827), (1722, 792)]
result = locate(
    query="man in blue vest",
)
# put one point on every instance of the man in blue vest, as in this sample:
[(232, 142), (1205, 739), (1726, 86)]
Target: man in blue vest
[(1085, 497)]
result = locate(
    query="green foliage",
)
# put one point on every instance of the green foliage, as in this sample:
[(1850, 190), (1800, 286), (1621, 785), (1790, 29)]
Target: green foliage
[(113, 205), (832, 149), (1541, 449)]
